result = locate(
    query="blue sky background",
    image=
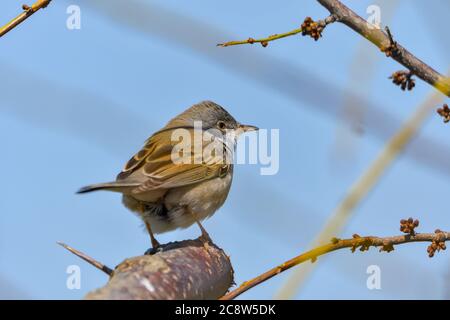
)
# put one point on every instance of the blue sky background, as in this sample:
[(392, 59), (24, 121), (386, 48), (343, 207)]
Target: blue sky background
[(75, 105)]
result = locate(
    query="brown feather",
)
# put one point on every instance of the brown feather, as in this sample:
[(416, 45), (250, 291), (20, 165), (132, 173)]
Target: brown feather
[(153, 165)]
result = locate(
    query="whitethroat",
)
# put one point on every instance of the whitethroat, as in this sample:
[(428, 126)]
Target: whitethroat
[(173, 182)]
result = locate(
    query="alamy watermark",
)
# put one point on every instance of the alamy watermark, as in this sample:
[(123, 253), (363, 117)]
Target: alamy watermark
[(73, 21), (374, 279), (73, 281), (374, 18), (214, 146)]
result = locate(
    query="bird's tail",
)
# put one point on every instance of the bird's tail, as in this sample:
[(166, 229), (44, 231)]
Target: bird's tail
[(117, 186)]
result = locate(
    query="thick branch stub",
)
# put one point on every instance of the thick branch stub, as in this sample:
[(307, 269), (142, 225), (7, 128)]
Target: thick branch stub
[(191, 269)]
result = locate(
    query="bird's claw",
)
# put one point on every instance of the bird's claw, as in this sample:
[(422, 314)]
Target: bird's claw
[(154, 250)]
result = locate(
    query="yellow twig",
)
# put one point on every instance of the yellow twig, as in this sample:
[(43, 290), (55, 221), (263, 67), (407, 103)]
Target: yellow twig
[(361, 188), (27, 12), (309, 27), (263, 41), (386, 244)]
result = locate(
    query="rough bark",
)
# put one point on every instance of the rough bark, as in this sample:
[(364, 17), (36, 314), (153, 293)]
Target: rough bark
[(191, 269)]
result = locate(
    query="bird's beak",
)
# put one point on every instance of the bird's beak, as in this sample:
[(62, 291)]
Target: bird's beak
[(247, 128)]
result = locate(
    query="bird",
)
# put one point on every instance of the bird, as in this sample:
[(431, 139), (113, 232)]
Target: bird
[(169, 191)]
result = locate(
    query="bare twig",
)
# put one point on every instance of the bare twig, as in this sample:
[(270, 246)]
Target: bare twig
[(263, 41), (386, 43), (88, 259), (383, 40), (27, 12), (309, 27), (386, 244)]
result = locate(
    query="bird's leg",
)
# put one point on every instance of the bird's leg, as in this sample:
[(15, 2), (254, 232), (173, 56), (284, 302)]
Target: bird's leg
[(155, 243), (205, 235), (156, 246)]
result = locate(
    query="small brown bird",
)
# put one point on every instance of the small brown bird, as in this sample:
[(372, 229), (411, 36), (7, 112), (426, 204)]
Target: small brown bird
[(170, 194)]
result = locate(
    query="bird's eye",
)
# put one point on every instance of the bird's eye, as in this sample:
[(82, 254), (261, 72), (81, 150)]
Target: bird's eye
[(221, 125)]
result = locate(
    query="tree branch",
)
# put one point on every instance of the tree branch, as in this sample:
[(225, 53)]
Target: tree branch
[(190, 269), (195, 269), (363, 185), (386, 244), (27, 12), (384, 41)]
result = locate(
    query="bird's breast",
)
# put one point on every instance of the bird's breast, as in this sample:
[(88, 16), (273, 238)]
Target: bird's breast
[(203, 198)]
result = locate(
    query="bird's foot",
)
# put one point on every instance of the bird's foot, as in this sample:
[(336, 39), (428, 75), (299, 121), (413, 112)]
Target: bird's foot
[(205, 235), (156, 246), (154, 250)]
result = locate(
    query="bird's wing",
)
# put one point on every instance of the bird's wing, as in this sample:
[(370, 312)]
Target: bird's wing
[(155, 167), (157, 144)]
